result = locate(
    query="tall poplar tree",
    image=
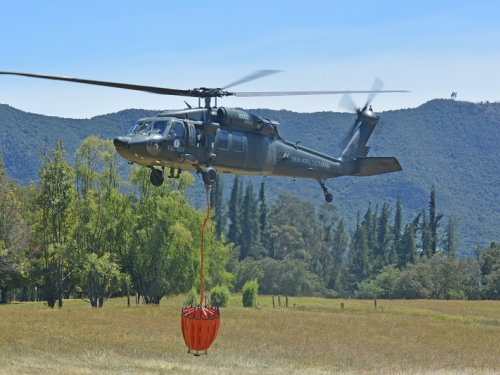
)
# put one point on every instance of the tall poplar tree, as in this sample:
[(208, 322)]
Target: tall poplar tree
[(263, 208), (434, 219), (54, 201), (235, 212), (250, 236), (338, 250), (451, 237), (217, 205), (397, 229), (359, 258)]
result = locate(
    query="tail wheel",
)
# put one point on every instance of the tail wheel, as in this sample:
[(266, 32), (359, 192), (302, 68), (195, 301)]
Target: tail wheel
[(328, 198), (209, 176)]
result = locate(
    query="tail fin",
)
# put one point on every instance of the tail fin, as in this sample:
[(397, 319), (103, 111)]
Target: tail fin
[(373, 166), (357, 151), (356, 147)]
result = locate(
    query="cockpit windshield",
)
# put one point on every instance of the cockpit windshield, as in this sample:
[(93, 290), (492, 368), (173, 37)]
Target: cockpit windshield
[(140, 127), (134, 128)]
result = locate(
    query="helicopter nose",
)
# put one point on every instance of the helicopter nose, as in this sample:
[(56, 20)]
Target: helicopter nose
[(121, 142)]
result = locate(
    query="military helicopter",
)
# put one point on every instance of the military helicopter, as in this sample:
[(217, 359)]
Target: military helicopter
[(210, 140)]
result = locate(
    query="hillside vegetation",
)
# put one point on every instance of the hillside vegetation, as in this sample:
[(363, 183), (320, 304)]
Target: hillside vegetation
[(449, 144)]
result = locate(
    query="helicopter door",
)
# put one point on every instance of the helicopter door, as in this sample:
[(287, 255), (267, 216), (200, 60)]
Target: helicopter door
[(227, 154), (177, 134), (253, 154)]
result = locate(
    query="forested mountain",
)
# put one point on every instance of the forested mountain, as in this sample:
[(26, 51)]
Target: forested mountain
[(449, 144)]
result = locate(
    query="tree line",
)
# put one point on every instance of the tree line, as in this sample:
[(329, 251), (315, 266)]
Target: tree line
[(290, 247), (83, 232)]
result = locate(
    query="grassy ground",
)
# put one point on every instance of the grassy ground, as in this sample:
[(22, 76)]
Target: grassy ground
[(314, 336)]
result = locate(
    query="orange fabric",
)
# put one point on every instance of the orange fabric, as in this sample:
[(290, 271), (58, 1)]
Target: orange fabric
[(200, 326)]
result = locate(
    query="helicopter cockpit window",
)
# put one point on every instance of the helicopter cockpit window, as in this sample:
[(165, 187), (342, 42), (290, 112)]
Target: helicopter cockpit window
[(140, 127), (134, 128), (144, 128), (238, 142), (222, 140), (159, 127), (176, 130)]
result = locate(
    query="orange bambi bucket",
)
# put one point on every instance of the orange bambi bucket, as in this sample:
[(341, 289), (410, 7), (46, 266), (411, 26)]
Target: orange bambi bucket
[(200, 326)]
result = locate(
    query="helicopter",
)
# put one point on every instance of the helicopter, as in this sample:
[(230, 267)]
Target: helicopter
[(210, 140)]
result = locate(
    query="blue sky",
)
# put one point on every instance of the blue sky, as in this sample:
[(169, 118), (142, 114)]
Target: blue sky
[(430, 48)]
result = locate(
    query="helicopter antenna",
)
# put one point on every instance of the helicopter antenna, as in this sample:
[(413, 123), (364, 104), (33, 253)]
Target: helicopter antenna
[(188, 104)]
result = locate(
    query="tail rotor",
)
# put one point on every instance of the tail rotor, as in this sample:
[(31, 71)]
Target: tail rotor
[(347, 102)]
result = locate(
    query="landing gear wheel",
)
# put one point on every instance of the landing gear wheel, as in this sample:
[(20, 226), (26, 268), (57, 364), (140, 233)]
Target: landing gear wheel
[(209, 175), (156, 177), (328, 196)]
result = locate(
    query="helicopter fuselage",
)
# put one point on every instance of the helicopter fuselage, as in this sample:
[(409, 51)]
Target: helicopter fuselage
[(185, 140)]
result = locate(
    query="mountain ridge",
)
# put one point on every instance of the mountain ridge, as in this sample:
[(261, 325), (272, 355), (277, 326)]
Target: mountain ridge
[(445, 143)]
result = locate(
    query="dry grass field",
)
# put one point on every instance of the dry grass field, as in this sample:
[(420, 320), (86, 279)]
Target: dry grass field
[(315, 336)]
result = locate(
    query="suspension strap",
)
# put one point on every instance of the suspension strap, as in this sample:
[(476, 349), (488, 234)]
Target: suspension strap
[(207, 187)]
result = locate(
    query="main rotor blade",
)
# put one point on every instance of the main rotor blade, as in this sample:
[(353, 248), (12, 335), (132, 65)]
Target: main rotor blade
[(152, 89), (258, 74), (292, 93)]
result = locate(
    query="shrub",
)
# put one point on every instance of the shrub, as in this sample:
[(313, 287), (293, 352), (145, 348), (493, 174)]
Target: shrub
[(192, 298), (219, 296), (250, 291)]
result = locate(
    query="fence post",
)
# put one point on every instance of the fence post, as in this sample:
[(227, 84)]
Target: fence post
[(279, 300), (128, 296), (273, 302), (342, 306), (286, 300), (137, 298), (375, 302)]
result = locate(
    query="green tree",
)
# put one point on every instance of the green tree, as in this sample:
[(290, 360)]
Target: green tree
[(162, 259), (250, 236), (408, 247), (426, 235), (219, 295), (359, 256), (102, 216), (397, 228), (217, 204), (250, 292), (263, 207), (338, 250), (14, 236), (434, 220), (54, 202), (164, 253), (489, 261), (370, 225), (235, 212), (451, 237), (384, 250)]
